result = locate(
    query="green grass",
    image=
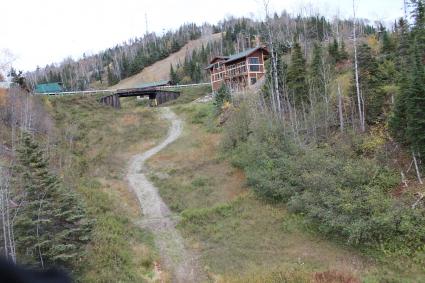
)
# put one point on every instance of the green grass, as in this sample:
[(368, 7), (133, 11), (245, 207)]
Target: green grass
[(93, 148), (189, 94), (239, 238)]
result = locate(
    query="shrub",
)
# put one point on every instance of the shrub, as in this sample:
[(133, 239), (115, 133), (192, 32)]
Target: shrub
[(222, 96), (342, 195)]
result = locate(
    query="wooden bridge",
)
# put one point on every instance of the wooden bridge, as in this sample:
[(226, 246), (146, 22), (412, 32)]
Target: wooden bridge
[(154, 91), (157, 92)]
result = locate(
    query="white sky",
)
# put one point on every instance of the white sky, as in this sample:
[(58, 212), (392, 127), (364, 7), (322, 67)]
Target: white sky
[(40, 32)]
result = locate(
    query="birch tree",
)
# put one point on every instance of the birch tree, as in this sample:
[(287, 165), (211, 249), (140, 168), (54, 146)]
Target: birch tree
[(9, 251), (360, 101)]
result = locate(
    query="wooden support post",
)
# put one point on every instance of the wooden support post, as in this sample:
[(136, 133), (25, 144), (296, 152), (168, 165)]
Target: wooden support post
[(118, 102)]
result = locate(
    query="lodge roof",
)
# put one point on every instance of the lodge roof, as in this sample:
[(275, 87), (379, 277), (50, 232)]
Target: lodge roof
[(212, 62), (49, 87), (236, 56), (243, 54)]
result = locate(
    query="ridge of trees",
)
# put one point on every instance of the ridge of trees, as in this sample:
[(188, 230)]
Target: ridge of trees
[(114, 64), (118, 62)]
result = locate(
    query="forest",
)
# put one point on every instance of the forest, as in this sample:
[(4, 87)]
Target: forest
[(337, 132)]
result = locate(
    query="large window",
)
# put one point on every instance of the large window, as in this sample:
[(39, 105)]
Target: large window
[(254, 64), (254, 60), (254, 68)]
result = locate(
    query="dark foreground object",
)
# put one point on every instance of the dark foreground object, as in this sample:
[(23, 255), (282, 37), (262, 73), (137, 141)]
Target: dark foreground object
[(11, 273)]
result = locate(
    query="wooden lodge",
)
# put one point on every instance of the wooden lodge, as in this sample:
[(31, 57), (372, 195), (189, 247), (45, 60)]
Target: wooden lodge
[(238, 71)]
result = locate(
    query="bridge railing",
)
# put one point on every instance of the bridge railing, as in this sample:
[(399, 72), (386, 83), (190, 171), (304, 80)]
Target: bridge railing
[(82, 92), (182, 86), (111, 91)]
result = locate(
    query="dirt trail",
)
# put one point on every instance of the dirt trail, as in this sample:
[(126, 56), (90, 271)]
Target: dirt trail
[(157, 216)]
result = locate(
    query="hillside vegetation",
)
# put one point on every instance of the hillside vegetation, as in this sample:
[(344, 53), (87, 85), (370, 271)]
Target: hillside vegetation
[(88, 147), (316, 177), (161, 69), (98, 143), (326, 139), (244, 237)]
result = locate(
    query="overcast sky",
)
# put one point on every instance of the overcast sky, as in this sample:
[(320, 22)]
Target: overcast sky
[(46, 31)]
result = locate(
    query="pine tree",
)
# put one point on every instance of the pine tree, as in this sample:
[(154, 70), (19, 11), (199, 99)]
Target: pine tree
[(297, 82), (407, 122), (418, 30), (372, 95), (333, 50), (110, 76), (397, 121), (51, 226), (222, 96), (343, 54), (316, 69), (173, 75), (18, 78), (402, 52), (415, 105), (125, 67), (388, 45)]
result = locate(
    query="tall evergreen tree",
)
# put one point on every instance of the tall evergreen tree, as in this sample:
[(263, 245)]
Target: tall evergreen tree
[(372, 95), (388, 46), (51, 226), (297, 77), (173, 75), (415, 105), (125, 66), (343, 54), (316, 69), (403, 43), (407, 122), (333, 50), (419, 26)]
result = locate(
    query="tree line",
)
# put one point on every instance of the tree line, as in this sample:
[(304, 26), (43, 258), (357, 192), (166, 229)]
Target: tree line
[(238, 34), (117, 63), (337, 132)]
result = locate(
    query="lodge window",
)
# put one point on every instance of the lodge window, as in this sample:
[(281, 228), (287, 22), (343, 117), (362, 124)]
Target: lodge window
[(254, 60), (254, 68), (254, 64), (236, 69)]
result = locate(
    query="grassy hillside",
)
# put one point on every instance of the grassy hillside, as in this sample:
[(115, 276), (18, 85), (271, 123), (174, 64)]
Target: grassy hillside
[(161, 69), (94, 145), (245, 239)]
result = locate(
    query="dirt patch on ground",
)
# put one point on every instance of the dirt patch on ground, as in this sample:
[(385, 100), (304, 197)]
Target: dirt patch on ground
[(129, 119)]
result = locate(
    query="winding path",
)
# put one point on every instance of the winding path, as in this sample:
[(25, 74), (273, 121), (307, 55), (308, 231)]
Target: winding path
[(156, 215)]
